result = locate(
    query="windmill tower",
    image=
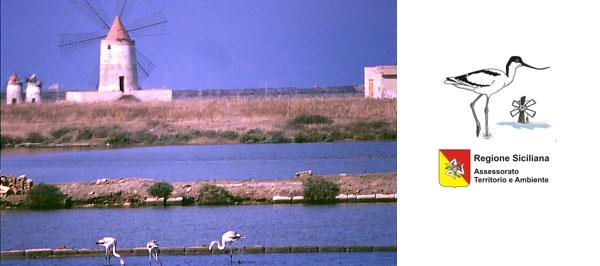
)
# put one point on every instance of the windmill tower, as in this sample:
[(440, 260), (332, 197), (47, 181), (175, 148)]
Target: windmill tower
[(117, 60), (33, 92), (121, 65), (13, 90)]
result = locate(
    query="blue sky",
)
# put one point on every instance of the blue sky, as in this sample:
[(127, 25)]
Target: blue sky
[(211, 44)]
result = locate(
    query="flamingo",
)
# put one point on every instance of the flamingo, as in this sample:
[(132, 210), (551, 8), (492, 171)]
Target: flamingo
[(152, 247), (227, 237), (488, 82), (107, 243)]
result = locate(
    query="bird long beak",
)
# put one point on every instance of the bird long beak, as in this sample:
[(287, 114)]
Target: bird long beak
[(534, 67)]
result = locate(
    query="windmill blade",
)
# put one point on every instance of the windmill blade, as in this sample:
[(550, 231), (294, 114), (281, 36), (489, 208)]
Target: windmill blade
[(143, 65), (122, 8), (530, 103), (530, 113), (153, 24), (93, 10), (514, 112), (516, 104), (70, 42)]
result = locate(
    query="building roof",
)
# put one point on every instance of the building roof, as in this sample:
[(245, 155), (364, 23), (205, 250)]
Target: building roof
[(386, 70), (13, 79), (117, 31)]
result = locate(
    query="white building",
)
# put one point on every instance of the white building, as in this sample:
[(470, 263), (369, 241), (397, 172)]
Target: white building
[(117, 60), (380, 82), (13, 90), (33, 92)]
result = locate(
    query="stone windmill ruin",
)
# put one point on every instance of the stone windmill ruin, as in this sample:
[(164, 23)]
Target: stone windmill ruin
[(121, 66)]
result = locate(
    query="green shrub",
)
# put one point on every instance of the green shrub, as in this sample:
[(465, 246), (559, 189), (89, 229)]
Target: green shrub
[(144, 136), (161, 190), (306, 119), (6, 140), (310, 136), (34, 137), (43, 196), (230, 135), (105, 199), (319, 190), (57, 133), (214, 195), (119, 139), (85, 134), (276, 137), (253, 136)]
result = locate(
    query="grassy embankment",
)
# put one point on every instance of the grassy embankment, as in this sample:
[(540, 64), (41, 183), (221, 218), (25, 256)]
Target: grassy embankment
[(208, 121), (132, 192)]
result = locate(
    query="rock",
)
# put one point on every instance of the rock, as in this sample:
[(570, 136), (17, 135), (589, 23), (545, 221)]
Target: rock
[(91, 193), (101, 181), (304, 173)]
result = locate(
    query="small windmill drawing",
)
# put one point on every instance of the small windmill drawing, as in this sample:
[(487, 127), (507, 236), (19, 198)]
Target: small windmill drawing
[(521, 107), (121, 64)]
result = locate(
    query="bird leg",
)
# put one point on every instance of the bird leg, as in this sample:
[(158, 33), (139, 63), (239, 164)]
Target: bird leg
[(230, 254), (478, 128), (157, 259), (487, 134), (241, 252)]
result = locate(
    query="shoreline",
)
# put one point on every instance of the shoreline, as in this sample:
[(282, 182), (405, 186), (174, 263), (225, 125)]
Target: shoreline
[(25, 148), (131, 192)]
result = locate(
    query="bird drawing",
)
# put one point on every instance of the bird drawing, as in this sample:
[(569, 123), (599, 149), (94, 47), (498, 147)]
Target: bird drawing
[(152, 247), (228, 237), (107, 243), (488, 82)]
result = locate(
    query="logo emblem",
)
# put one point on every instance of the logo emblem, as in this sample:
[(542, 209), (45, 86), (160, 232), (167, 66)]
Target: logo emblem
[(454, 168)]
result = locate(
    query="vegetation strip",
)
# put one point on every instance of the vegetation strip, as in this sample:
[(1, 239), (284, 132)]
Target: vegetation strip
[(207, 121), (137, 192), (41, 253)]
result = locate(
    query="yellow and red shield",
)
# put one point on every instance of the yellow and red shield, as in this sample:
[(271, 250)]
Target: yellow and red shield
[(454, 168)]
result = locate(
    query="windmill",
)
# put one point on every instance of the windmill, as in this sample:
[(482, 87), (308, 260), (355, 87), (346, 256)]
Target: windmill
[(521, 107), (121, 64)]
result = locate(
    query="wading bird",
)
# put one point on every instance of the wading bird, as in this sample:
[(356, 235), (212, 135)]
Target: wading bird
[(107, 243), (488, 82), (228, 237), (152, 247)]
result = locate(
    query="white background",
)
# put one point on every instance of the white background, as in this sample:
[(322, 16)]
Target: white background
[(499, 224)]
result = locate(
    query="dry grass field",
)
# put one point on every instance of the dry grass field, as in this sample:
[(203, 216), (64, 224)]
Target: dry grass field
[(217, 120)]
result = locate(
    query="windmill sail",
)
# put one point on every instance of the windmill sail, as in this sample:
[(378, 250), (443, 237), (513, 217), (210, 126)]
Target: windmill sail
[(70, 42), (93, 10), (153, 24), (143, 65)]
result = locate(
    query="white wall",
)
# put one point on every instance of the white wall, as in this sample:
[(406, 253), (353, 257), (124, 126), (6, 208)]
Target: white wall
[(13, 91), (382, 87), (107, 96), (33, 94), (117, 61)]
